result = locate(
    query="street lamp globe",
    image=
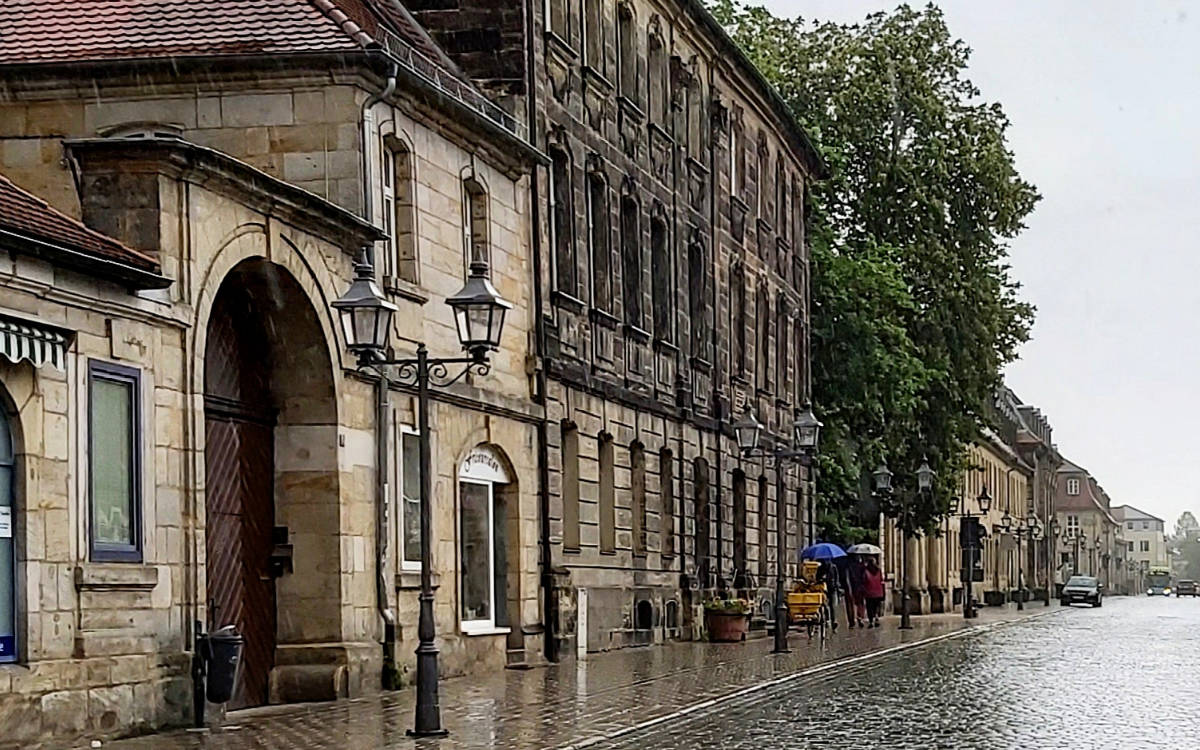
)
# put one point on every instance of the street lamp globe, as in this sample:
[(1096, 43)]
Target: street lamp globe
[(366, 316), (1032, 519), (883, 478), (956, 505), (479, 313), (925, 475), (985, 500), (748, 430), (807, 429)]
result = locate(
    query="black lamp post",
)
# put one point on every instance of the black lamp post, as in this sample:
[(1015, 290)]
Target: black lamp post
[(1077, 536), (1051, 554), (883, 485), (366, 318), (806, 430), (968, 576)]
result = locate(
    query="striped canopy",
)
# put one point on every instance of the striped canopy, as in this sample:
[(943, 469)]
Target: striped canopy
[(20, 340)]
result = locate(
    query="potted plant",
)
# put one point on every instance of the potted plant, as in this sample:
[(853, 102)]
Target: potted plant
[(727, 620)]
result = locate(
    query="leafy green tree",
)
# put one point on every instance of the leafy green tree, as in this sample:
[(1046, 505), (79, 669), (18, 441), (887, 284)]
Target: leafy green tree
[(914, 309)]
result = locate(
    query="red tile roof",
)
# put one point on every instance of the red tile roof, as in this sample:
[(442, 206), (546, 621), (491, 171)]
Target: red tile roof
[(23, 213), (42, 31)]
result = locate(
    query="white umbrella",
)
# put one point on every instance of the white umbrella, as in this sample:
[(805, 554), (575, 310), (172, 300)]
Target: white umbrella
[(865, 549)]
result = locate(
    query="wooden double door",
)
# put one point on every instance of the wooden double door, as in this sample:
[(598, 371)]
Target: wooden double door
[(240, 506)]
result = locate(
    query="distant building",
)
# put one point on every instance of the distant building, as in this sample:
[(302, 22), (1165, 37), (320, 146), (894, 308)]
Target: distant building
[(1091, 540), (1145, 539)]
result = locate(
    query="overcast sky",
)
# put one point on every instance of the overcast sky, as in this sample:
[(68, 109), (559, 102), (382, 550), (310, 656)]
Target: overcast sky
[(1104, 99)]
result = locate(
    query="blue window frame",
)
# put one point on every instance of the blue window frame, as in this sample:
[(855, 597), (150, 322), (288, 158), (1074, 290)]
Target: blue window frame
[(114, 463), (8, 558)]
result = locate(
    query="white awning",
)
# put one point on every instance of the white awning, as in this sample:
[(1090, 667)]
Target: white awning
[(41, 345)]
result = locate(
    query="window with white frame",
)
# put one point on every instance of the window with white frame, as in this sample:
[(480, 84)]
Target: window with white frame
[(398, 213), (1145, 545), (408, 494), (1072, 486), (1072, 526), (483, 542)]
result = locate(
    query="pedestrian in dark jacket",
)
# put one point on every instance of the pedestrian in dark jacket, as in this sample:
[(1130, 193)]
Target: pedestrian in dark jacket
[(858, 597)]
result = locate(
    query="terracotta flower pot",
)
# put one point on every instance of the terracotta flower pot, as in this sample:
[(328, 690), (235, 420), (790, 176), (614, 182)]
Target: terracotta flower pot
[(726, 627)]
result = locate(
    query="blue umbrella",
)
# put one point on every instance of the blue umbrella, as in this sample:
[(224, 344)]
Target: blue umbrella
[(822, 551)]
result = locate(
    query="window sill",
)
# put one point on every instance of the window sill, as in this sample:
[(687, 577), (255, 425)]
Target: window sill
[(663, 345), (470, 630), (560, 45), (97, 576), (736, 201), (655, 128), (405, 290), (637, 334), (593, 77), (567, 301), (410, 580), (763, 224), (697, 166), (604, 318), (631, 108)]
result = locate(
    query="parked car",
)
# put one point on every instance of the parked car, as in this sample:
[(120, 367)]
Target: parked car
[(1082, 590), (1186, 588)]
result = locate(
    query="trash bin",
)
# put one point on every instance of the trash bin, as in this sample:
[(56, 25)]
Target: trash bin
[(225, 649)]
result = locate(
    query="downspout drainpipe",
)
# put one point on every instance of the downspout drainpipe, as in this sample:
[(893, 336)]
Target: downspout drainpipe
[(549, 610), (390, 676)]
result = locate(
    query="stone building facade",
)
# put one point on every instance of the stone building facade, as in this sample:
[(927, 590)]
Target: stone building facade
[(241, 179), (1017, 463), (1091, 538), (674, 276)]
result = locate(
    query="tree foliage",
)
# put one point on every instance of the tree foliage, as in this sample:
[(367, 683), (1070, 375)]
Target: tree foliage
[(914, 309)]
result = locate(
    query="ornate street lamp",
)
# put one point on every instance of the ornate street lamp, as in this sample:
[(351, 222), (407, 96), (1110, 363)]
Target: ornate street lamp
[(985, 501), (366, 318), (748, 432), (805, 431), (882, 477)]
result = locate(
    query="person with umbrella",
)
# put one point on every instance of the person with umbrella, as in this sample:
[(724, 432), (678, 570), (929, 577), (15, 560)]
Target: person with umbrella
[(858, 579), (826, 554)]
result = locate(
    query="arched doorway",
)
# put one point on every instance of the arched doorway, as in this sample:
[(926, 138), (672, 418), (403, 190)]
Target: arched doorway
[(8, 557), (271, 470)]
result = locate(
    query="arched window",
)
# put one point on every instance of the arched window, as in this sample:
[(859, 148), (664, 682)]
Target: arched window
[(764, 524), (483, 540), (631, 260), (608, 508), (562, 213), (570, 486), (661, 278), (637, 481), (399, 214), (598, 239), (698, 299), (739, 528), (763, 316), (666, 492), (475, 222), (737, 301), (627, 49), (8, 558), (656, 55)]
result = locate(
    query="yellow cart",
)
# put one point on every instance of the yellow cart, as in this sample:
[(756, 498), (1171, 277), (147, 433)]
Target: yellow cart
[(806, 603)]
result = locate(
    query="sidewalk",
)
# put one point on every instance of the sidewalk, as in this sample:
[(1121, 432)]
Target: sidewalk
[(558, 705)]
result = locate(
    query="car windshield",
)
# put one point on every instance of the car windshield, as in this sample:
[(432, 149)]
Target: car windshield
[(1081, 582)]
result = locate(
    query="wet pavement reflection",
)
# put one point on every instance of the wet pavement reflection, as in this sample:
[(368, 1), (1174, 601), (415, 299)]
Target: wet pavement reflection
[(1123, 676), (559, 705)]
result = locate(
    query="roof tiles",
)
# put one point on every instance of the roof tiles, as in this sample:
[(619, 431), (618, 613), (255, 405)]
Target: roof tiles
[(23, 213), (72, 30)]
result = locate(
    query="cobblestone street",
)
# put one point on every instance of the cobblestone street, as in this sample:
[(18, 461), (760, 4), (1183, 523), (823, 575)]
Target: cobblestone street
[(556, 706), (1122, 676)]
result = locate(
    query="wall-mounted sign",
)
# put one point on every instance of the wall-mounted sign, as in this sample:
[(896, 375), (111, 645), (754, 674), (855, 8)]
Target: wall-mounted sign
[(484, 464), (6, 522)]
